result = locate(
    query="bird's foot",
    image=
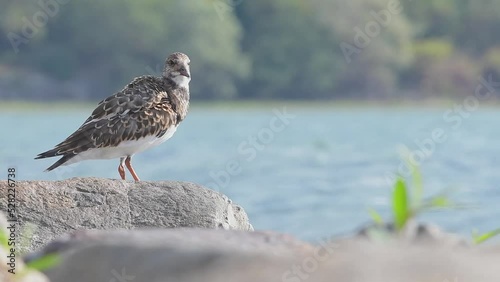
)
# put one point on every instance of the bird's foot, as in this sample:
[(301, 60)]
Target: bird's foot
[(121, 171)]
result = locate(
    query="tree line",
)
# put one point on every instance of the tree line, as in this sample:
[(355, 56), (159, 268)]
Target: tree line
[(257, 49)]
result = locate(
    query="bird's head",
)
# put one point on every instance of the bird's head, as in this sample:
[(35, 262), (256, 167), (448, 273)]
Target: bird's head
[(177, 69)]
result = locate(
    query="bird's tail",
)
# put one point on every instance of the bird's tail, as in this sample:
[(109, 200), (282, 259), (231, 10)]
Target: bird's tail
[(54, 153), (48, 154), (60, 162)]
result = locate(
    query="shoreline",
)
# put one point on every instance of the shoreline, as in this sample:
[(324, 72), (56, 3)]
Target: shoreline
[(20, 105)]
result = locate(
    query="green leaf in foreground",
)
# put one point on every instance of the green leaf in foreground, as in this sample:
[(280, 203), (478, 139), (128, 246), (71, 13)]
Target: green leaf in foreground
[(4, 239), (480, 238), (440, 202), (418, 186), (400, 204), (44, 262), (376, 217)]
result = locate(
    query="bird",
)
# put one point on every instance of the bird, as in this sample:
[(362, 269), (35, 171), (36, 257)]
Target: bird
[(143, 115)]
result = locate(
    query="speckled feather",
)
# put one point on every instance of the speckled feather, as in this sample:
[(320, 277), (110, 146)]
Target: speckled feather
[(148, 106)]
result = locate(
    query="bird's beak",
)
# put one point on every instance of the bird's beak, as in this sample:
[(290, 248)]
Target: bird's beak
[(184, 72)]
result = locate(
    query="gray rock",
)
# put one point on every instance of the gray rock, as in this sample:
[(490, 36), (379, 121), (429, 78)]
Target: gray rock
[(413, 233), (191, 239), (155, 255), (57, 207), (192, 255)]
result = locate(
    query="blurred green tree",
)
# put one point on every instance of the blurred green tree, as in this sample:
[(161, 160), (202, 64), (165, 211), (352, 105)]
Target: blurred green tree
[(110, 42), (373, 69), (434, 19), (250, 49), (293, 55), (478, 29)]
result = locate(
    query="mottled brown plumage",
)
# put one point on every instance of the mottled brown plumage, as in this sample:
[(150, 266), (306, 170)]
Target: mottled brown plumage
[(145, 110)]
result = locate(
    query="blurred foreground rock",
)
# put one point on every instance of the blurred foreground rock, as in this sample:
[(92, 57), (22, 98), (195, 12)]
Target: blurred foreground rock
[(20, 273), (219, 245), (54, 208), (192, 255), (413, 233)]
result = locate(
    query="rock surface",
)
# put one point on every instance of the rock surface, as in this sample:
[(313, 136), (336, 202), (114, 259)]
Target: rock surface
[(57, 207), (219, 248), (413, 233), (187, 239), (194, 255)]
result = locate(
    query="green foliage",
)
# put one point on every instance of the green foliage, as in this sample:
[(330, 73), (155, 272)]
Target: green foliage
[(408, 201), (418, 184), (43, 263), (491, 63), (433, 49), (492, 58), (435, 19), (110, 42), (400, 205), (257, 49), (3, 239), (293, 56), (481, 238), (478, 26), (375, 71), (440, 69), (39, 264), (376, 217)]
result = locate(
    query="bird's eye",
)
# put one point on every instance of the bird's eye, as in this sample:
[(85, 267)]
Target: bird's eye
[(171, 62)]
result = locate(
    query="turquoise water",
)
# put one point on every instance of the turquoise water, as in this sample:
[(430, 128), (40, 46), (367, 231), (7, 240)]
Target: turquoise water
[(313, 175)]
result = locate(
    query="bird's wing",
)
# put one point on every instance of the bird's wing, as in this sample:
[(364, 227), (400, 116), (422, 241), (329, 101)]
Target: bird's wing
[(143, 108), (138, 94)]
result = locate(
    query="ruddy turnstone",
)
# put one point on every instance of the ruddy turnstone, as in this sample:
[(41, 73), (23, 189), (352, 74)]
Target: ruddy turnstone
[(144, 114)]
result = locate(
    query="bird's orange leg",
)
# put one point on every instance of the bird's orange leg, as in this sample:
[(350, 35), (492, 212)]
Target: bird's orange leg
[(121, 168), (131, 169)]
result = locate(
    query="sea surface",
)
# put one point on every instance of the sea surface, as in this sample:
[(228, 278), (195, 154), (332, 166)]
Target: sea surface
[(310, 172)]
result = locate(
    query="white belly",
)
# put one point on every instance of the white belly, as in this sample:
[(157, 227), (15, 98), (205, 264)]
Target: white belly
[(125, 148)]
